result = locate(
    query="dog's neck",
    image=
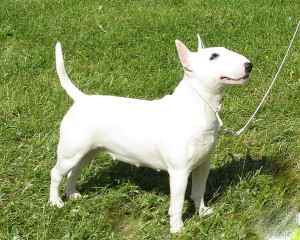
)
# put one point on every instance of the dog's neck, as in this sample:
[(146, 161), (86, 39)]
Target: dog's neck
[(212, 97)]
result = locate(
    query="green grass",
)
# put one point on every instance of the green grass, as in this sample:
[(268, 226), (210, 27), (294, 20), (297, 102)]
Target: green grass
[(254, 182)]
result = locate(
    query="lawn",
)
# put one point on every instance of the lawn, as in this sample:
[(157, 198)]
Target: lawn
[(126, 48)]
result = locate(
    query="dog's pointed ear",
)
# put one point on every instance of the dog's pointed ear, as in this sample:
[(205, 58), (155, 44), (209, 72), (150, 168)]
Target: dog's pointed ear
[(200, 43), (184, 55)]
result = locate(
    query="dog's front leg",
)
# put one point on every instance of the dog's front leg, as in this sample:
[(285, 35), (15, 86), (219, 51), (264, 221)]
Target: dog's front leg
[(178, 183), (199, 177)]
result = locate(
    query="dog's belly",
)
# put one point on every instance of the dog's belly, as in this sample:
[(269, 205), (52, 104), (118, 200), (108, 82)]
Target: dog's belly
[(137, 158), (133, 145), (136, 144)]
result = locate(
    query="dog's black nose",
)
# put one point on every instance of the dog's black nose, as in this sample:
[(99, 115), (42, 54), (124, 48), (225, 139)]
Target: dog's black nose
[(248, 67)]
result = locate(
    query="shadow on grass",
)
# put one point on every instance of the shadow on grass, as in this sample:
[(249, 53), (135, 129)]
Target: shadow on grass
[(219, 180), (118, 173), (232, 173)]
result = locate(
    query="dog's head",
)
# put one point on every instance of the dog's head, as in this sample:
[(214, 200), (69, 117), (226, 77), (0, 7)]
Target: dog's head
[(216, 66)]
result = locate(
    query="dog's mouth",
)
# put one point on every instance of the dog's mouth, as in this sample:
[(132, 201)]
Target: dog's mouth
[(229, 80)]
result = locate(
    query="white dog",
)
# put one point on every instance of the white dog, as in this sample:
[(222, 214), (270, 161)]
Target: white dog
[(177, 133)]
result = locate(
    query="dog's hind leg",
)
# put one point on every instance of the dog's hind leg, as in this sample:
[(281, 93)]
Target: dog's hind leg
[(199, 177), (68, 159), (62, 167), (74, 173)]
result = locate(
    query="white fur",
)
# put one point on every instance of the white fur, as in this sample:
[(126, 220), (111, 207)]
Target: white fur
[(176, 134)]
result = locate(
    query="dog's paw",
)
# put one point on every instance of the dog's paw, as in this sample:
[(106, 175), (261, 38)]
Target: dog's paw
[(176, 224), (176, 228), (205, 211), (75, 196), (56, 202)]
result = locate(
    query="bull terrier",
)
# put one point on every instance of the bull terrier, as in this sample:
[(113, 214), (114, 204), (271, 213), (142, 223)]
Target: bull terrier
[(176, 134)]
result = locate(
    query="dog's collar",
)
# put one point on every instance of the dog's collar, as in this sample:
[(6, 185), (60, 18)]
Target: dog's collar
[(215, 110)]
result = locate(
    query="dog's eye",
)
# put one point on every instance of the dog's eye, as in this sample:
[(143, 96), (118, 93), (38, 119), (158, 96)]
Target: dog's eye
[(214, 56)]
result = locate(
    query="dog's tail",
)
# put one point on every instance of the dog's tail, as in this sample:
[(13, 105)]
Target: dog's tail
[(65, 81)]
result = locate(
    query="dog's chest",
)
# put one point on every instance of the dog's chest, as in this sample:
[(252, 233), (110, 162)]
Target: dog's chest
[(201, 135), (201, 148), (188, 143)]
